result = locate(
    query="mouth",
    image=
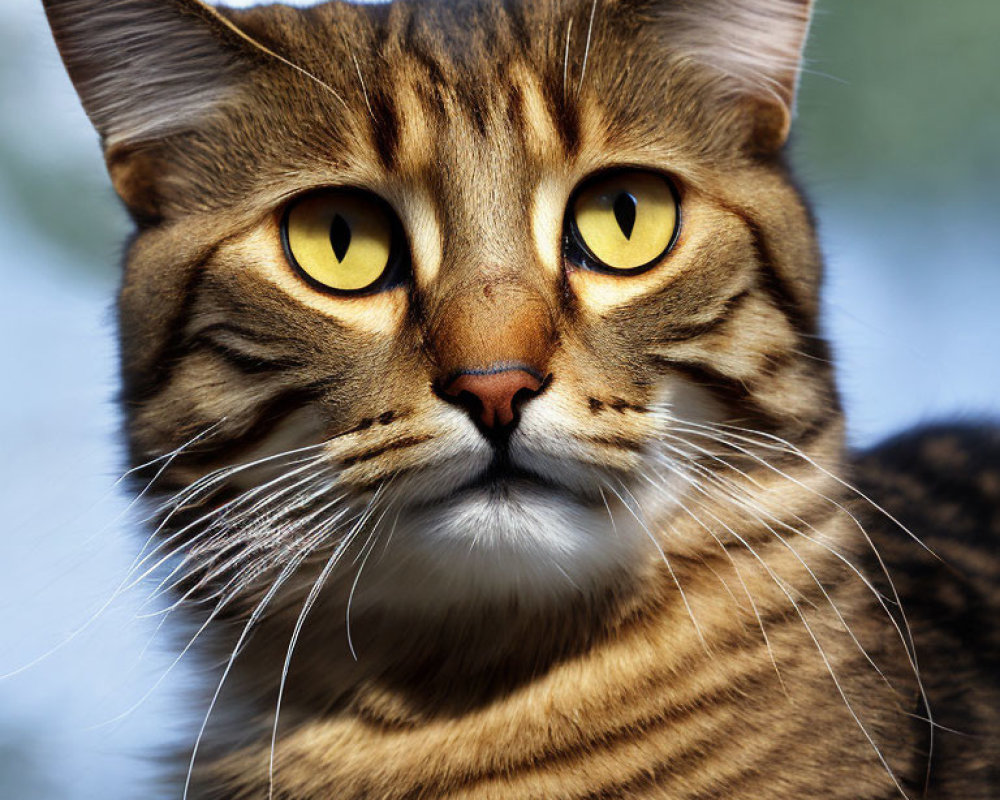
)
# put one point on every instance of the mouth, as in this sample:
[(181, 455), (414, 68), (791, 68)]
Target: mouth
[(505, 481), (500, 481), (502, 475)]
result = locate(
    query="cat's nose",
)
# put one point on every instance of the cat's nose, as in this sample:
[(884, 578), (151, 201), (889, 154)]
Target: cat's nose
[(493, 396)]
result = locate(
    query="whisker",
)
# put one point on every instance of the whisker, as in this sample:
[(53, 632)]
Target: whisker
[(300, 621), (246, 544), (569, 33), (722, 437), (743, 584), (267, 51), (663, 556), (367, 550), (255, 616), (819, 648), (586, 49), (168, 458), (788, 447), (611, 517), (218, 515), (238, 585), (209, 481), (250, 553), (815, 579), (364, 89)]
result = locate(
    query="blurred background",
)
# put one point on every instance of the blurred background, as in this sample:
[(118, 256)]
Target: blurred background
[(897, 142)]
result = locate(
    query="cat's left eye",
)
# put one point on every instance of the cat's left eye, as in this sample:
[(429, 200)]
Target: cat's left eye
[(622, 222), (344, 241)]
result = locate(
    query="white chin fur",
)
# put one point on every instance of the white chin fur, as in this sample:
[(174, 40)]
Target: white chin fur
[(528, 544)]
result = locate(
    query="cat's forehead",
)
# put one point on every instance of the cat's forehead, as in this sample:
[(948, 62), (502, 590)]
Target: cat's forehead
[(452, 92), (433, 79)]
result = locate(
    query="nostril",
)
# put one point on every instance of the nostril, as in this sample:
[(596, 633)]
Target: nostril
[(469, 401), (493, 396), (522, 396)]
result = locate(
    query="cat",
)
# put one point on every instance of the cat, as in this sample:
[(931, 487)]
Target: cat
[(471, 355)]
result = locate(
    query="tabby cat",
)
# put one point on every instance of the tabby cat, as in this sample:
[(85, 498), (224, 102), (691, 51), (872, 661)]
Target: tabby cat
[(472, 363)]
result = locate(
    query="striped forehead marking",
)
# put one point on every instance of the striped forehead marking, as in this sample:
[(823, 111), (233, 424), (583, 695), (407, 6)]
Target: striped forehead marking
[(421, 111)]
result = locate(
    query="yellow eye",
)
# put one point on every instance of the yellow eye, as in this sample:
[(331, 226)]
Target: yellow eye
[(625, 221), (344, 240)]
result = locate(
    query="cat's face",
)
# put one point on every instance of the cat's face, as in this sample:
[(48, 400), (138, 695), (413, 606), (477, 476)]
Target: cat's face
[(471, 265)]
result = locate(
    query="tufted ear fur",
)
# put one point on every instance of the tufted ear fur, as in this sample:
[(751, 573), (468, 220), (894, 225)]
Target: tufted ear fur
[(755, 46), (146, 70)]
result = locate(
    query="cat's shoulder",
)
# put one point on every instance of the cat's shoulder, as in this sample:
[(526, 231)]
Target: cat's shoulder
[(946, 476), (930, 502), (931, 499)]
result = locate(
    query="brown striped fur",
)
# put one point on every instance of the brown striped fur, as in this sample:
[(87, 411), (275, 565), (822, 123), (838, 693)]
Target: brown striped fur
[(673, 591)]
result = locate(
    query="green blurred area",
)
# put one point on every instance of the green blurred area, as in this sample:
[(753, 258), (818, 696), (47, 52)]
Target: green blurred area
[(900, 102), (901, 98)]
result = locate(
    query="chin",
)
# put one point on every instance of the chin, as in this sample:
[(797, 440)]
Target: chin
[(502, 541)]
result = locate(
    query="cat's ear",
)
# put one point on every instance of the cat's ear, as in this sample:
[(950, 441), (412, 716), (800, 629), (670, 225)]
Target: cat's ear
[(756, 47), (146, 70)]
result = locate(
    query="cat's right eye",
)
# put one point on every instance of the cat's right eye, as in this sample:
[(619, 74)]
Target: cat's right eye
[(344, 241)]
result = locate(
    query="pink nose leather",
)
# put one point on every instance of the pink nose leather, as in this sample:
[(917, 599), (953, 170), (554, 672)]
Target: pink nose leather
[(496, 393)]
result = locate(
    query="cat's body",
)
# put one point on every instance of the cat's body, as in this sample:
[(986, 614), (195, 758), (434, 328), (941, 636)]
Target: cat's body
[(943, 484), (544, 494), (633, 705)]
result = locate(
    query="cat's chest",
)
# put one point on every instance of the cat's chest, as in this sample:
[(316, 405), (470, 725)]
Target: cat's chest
[(627, 720)]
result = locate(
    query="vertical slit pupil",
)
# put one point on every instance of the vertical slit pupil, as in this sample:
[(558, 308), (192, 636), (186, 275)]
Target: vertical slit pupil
[(340, 237), (624, 207)]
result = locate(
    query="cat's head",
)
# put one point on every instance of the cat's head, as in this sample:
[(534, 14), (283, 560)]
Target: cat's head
[(460, 279)]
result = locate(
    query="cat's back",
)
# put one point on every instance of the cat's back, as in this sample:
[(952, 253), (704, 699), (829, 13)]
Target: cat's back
[(942, 485)]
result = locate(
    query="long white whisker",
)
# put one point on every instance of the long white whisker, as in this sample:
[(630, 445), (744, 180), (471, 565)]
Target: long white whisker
[(361, 80), (819, 648), (237, 586), (815, 579), (218, 515), (569, 33), (168, 458), (739, 576), (663, 556), (246, 545), (278, 57), (724, 437), (367, 550), (788, 447), (255, 616), (248, 552), (586, 49), (310, 600)]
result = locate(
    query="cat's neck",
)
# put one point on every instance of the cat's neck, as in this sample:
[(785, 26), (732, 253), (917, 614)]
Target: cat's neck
[(682, 609), (523, 684)]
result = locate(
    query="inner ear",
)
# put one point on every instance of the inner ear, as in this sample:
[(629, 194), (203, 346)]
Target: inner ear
[(770, 123), (136, 173)]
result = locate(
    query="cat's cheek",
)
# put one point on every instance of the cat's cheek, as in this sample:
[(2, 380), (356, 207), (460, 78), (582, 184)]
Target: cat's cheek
[(680, 402), (600, 294), (381, 314)]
